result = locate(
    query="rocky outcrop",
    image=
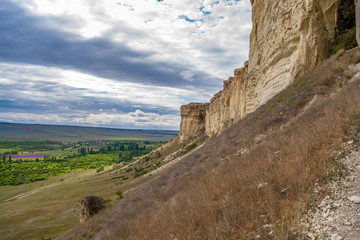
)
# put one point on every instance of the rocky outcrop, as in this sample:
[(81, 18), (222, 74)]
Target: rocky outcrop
[(357, 4), (192, 120), (289, 38)]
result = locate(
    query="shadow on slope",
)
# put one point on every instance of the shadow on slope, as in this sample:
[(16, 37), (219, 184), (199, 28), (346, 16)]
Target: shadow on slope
[(231, 187)]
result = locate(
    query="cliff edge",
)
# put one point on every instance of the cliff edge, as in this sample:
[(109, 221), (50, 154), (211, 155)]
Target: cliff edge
[(288, 39)]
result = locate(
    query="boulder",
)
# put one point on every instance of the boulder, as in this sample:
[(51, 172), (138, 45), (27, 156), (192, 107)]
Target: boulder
[(89, 206)]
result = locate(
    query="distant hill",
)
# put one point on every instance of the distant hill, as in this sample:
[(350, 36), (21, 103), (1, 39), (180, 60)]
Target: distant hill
[(17, 131)]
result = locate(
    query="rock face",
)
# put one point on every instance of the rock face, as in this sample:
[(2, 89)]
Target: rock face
[(192, 120), (90, 205), (229, 105), (357, 4), (289, 38)]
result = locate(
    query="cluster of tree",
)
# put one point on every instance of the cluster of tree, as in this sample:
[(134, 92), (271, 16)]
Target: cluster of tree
[(21, 171), (16, 173), (31, 146), (122, 147)]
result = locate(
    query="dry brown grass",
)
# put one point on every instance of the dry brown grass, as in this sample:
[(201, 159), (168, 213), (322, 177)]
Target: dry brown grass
[(213, 193)]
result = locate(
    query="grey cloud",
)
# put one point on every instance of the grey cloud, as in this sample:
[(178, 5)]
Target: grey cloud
[(25, 38)]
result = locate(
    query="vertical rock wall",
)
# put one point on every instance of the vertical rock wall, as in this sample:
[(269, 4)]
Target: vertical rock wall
[(227, 106), (288, 38)]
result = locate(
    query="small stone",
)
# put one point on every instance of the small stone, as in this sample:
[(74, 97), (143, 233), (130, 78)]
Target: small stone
[(311, 236), (262, 185), (284, 191), (336, 237), (350, 142), (336, 204), (346, 223), (355, 199)]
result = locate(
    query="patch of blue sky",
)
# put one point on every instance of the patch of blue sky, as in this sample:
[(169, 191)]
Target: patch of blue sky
[(186, 18), (204, 12), (214, 3)]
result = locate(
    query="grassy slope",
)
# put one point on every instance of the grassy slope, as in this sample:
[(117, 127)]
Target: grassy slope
[(33, 132), (213, 192), (52, 208)]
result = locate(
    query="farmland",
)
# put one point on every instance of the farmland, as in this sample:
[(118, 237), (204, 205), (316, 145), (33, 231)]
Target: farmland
[(45, 170), (31, 153)]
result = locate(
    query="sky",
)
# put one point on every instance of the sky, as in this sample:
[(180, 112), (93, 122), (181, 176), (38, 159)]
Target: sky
[(116, 63)]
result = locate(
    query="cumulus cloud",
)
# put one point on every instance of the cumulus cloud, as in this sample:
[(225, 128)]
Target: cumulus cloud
[(62, 57)]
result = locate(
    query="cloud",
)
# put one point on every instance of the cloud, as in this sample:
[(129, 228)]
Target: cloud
[(187, 75), (34, 42), (68, 59), (62, 94), (131, 120)]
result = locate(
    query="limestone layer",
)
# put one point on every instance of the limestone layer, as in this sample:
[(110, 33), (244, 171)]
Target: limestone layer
[(288, 38)]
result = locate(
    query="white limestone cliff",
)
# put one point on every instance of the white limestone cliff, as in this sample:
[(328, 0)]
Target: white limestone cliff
[(288, 39)]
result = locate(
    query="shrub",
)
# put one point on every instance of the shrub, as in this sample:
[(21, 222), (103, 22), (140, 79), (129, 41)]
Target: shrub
[(119, 194), (345, 32)]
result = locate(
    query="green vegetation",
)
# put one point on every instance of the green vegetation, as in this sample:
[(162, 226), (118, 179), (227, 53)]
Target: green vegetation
[(345, 35), (140, 172), (119, 194), (19, 171), (190, 148), (31, 146)]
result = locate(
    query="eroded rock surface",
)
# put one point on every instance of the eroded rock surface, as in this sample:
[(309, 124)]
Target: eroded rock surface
[(288, 39), (192, 120)]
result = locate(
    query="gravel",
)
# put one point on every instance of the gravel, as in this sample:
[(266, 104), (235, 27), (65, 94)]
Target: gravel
[(337, 216)]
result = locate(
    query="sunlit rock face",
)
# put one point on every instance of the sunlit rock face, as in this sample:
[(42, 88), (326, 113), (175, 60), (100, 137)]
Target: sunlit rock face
[(228, 105), (288, 39), (357, 4), (192, 120)]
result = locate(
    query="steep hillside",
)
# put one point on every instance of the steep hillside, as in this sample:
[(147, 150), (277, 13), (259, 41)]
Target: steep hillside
[(232, 186), (272, 132)]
